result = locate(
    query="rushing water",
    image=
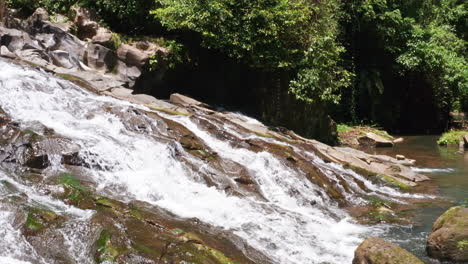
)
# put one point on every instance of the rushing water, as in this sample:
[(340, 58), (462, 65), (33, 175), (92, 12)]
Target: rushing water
[(136, 167)]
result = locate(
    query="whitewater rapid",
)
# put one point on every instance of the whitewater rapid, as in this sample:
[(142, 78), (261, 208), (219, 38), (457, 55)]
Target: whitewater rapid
[(304, 228)]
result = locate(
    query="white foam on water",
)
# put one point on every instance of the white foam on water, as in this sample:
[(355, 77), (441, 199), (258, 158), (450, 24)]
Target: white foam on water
[(432, 170), (13, 246), (286, 227), (9, 260)]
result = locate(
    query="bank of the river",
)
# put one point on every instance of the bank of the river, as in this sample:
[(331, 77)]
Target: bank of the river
[(449, 171)]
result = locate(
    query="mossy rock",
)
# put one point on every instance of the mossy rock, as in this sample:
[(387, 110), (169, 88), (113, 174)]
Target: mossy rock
[(449, 237), (75, 192), (378, 251), (38, 219)]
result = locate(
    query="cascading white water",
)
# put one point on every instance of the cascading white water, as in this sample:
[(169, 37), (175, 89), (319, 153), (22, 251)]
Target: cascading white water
[(287, 228)]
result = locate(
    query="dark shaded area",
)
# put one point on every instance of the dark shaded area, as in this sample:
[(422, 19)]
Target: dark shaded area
[(400, 102), (223, 82)]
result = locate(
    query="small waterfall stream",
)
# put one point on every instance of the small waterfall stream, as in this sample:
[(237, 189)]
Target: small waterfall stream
[(296, 223)]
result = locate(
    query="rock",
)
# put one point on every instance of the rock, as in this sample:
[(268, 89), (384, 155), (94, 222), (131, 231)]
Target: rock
[(400, 157), (461, 146), (449, 237), (184, 100), (389, 169), (375, 140), (43, 153), (378, 251), (85, 22), (39, 15), (100, 58), (14, 39), (103, 36), (465, 140), (5, 52), (64, 59), (132, 56), (398, 140)]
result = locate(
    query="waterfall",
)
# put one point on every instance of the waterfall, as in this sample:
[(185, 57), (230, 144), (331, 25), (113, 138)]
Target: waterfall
[(304, 227)]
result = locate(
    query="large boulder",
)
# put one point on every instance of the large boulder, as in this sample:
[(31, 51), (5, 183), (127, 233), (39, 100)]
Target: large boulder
[(378, 251), (449, 237)]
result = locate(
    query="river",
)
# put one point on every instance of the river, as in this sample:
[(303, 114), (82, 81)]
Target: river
[(448, 170), (132, 157)]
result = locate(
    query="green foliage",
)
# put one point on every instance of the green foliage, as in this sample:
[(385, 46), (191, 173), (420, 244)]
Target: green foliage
[(406, 42), (176, 55), (452, 137), (129, 16), (462, 245), (444, 66), (342, 128), (265, 33), (272, 35), (54, 6)]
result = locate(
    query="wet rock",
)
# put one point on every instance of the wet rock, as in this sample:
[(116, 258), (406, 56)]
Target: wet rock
[(390, 170), (132, 56), (378, 251), (449, 237), (44, 151), (5, 52), (184, 100), (372, 139), (64, 59), (400, 157), (398, 140), (100, 58)]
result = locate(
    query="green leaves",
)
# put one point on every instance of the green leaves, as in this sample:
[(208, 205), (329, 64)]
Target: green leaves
[(272, 35)]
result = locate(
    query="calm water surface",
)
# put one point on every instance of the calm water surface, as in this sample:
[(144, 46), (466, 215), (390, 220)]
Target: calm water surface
[(448, 170)]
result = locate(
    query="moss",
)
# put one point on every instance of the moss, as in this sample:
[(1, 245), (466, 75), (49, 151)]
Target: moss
[(33, 223), (452, 137), (116, 41), (381, 133), (395, 182), (445, 217), (39, 218), (142, 248), (177, 231), (342, 128), (106, 252), (216, 254), (8, 186), (167, 111), (76, 80), (136, 213), (462, 245), (376, 201), (75, 190), (202, 152), (263, 135)]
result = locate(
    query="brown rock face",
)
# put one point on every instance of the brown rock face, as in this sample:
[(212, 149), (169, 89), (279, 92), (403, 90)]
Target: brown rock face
[(378, 251), (449, 237)]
